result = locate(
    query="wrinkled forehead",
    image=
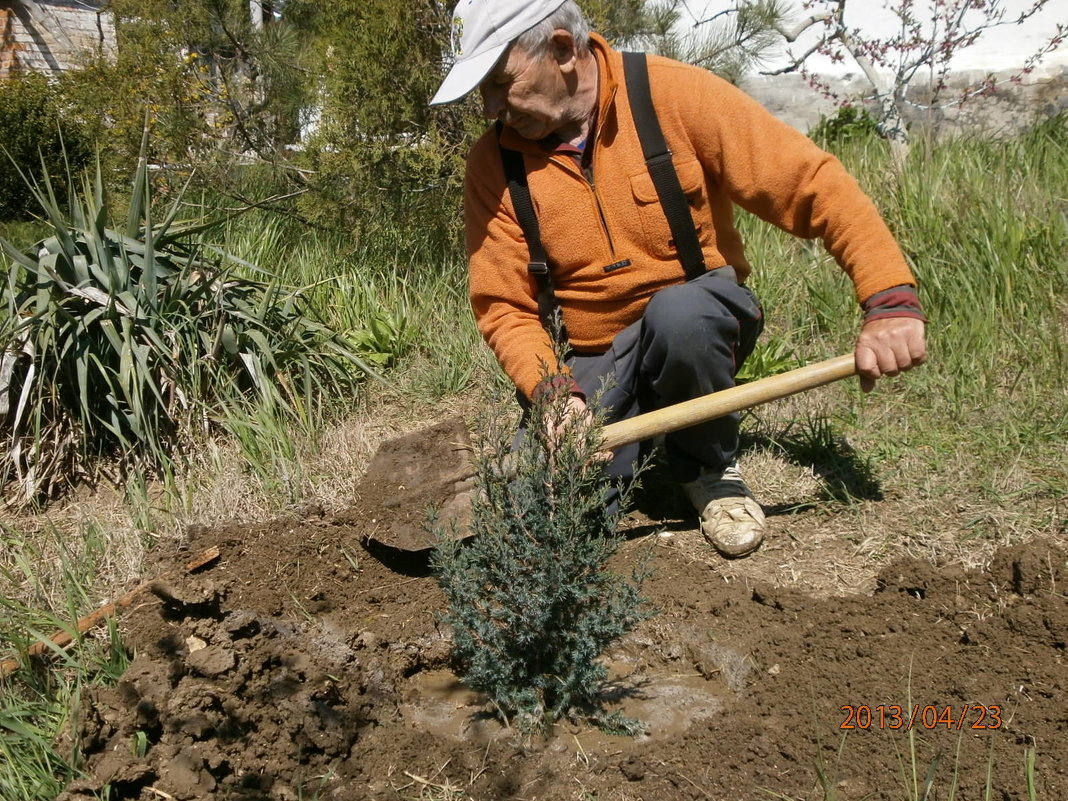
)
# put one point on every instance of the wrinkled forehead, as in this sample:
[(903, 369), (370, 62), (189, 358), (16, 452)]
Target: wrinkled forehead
[(512, 61)]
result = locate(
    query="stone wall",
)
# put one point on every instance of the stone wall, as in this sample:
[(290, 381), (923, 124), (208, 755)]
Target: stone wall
[(51, 35)]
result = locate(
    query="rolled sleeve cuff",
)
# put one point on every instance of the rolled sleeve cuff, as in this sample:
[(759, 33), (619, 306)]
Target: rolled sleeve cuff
[(556, 385), (898, 301)]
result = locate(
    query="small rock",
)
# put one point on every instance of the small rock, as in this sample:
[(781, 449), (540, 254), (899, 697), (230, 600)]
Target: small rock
[(211, 661)]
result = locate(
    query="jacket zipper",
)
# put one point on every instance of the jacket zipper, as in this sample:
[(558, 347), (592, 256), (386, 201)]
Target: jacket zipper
[(592, 144), (570, 167)]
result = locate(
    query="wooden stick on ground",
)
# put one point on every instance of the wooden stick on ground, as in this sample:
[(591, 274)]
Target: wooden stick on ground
[(62, 639)]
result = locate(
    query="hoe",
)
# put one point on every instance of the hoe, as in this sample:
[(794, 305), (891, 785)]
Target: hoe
[(431, 468)]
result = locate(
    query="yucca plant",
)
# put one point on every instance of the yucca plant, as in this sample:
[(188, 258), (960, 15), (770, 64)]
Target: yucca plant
[(116, 342)]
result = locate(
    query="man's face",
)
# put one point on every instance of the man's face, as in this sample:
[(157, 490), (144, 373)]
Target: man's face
[(526, 93)]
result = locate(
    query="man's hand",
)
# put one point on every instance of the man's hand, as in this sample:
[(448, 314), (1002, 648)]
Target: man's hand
[(575, 413), (887, 347)]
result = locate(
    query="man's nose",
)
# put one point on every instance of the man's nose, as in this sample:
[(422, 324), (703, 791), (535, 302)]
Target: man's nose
[(492, 104)]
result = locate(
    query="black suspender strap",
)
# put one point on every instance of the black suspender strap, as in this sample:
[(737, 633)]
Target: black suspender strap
[(538, 263), (660, 166)]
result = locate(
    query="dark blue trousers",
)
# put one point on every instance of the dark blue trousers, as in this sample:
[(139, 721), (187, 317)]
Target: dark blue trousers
[(691, 341)]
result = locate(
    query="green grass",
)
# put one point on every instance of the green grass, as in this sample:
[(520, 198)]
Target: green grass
[(120, 340), (398, 295), (984, 222), (22, 234), (937, 779), (37, 709), (38, 702), (985, 225)]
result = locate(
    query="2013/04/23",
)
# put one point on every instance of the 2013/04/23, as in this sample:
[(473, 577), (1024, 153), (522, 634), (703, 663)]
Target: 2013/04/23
[(893, 716)]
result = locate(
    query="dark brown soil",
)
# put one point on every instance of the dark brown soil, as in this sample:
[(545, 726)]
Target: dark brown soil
[(302, 665)]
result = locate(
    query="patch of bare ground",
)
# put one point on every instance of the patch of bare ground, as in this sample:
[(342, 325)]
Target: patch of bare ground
[(302, 665), (121, 525)]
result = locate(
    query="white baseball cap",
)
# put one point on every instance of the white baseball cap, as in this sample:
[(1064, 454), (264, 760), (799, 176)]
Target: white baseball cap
[(481, 32)]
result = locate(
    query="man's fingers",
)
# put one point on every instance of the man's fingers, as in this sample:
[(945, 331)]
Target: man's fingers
[(889, 347), (575, 414), (867, 360), (867, 368), (603, 457), (894, 358), (917, 350)]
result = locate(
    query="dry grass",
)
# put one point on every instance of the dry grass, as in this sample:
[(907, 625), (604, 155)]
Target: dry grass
[(113, 528), (41, 551), (926, 506)]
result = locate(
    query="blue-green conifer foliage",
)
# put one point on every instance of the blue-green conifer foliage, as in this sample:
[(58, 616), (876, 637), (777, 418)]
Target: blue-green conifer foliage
[(532, 603)]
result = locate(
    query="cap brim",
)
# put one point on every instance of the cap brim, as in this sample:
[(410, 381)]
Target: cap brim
[(467, 74)]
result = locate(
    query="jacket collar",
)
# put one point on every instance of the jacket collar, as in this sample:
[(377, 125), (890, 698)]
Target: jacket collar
[(610, 68)]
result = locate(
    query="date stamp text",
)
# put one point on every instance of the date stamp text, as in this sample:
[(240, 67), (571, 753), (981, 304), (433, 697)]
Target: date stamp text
[(894, 716)]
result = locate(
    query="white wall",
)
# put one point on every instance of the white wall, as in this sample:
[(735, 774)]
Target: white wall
[(59, 34)]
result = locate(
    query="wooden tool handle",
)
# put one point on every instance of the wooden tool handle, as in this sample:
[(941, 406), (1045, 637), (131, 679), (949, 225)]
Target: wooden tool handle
[(708, 407)]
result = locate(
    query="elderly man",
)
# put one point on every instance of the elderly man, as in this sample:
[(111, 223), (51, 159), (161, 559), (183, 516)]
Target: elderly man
[(653, 310)]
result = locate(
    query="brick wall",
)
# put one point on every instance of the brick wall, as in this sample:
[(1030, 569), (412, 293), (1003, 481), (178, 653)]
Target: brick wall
[(51, 35)]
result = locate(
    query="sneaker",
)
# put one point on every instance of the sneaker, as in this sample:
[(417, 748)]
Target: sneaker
[(731, 520)]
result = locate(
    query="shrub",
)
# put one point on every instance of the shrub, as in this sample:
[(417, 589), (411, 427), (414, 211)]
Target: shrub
[(380, 157), (37, 140), (531, 602), (848, 124), (117, 341)]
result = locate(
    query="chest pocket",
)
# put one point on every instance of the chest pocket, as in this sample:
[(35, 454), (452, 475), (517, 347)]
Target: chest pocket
[(658, 240)]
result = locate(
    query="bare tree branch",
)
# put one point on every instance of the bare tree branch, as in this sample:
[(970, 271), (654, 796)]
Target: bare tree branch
[(922, 43), (792, 34)]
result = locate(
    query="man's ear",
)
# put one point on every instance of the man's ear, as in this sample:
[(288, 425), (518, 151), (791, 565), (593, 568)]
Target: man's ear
[(563, 48)]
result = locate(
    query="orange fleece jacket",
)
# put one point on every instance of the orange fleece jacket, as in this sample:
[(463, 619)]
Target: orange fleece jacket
[(727, 150)]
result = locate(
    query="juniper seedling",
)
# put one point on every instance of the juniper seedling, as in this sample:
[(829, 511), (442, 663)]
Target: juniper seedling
[(531, 602)]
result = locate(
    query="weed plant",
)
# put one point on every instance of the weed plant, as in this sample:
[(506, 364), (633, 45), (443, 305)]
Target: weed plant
[(984, 223), (116, 344), (37, 756), (399, 297), (532, 603)]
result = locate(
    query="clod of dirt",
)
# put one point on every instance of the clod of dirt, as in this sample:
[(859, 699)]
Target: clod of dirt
[(212, 661), (426, 472), (195, 596), (1026, 570)]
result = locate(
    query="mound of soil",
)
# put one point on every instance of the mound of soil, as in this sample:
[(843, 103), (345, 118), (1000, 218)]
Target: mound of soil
[(300, 665)]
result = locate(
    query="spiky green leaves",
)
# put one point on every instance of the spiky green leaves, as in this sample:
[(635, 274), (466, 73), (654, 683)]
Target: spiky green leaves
[(115, 344)]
